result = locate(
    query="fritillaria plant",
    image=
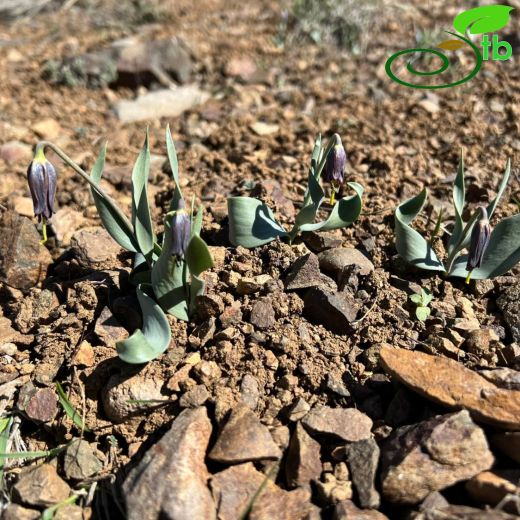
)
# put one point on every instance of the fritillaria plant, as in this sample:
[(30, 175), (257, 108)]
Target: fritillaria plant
[(490, 252), (252, 223), (166, 272)]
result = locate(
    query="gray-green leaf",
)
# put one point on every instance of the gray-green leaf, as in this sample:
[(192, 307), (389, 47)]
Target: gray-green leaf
[(459, 199), (502, 253), (146, 344), (344, 212), (141, 218), (252, 223), (174, 166), (409, 243), (169, 278), (198, 256), (118, 228)]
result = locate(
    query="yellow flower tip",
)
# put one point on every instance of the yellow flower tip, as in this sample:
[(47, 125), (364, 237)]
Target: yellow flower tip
[(39, 156)]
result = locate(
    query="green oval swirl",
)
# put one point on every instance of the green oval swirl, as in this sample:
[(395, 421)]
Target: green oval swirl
[(442, 68)]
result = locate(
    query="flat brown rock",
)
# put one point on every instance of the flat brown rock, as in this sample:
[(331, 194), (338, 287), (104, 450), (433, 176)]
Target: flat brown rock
[(449, 383), (431, 456), (244, 438), (171, 479), (234, 489), (347, 424)]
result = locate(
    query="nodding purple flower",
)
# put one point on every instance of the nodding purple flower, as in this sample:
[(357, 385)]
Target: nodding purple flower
[(335, 164), (41, 176), (479, 241), (181, 230)]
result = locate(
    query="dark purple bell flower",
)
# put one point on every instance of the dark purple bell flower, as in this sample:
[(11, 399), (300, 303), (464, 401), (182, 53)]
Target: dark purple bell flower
[(335, 163), (41, 176), (479, 241), (181, 231)]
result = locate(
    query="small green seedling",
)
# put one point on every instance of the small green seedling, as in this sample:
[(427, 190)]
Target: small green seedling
[(422, 300), (166, 273), (490, 253), (252, 223)]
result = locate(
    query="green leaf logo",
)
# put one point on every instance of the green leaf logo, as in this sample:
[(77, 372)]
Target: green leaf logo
[(484, 19)]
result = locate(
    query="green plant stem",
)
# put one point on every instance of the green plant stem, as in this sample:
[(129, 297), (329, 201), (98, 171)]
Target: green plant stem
[(459, 246), (82, 173)]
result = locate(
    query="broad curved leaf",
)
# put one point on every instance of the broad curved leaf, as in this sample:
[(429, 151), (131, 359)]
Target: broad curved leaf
[(483, 19), (252, 223), (198, 256), (459, 199), (118, 228), (502, 253), (169, 278), (150, 342), (344, 212), (196, 289), (409, 243), (141, 218)]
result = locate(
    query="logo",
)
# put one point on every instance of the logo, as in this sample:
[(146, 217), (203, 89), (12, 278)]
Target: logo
[(474, 22)]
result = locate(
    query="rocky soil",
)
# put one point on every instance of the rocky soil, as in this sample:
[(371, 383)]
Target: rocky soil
[(305, 387)]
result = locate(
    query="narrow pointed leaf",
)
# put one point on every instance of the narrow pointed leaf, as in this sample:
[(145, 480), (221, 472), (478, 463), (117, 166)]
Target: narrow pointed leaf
[(119, 229), (409, 243), (459, 199), (69, 409), (501, 255), (169, 278), (141, 218), (174, 166), (5, 430), (252, 223), (345, 212), (197, 222), (150, 342), (492, 206)]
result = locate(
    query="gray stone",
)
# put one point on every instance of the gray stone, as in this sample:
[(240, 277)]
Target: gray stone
[(262, 314), (362, 460), (234, 489), (161, 103), (509, 303), (303, 459), (194, 397), (347, 510), (120, 391), (39, 404), (80, 461), (305, 273), (95, 248), (335, 260), (244, 438), (431, 456), (249, 391), (40, 486), (171, 479), (23, 260), (335, 311), (17, 512), (347, 424)]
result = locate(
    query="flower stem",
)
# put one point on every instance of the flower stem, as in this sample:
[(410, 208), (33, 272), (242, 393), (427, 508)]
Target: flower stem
[(82, 173), (44, 232)]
